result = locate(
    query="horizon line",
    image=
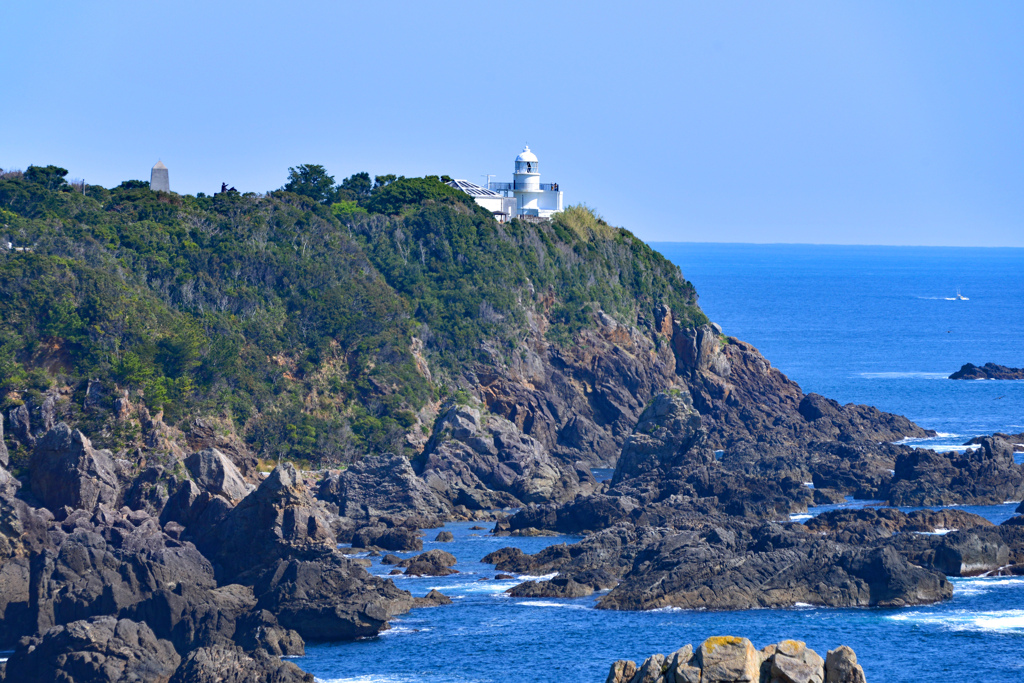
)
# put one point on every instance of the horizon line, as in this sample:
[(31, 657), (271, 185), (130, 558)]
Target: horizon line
[(836, 244)]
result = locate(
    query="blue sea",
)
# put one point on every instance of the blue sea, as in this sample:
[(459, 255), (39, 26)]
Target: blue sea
[(859, 324)]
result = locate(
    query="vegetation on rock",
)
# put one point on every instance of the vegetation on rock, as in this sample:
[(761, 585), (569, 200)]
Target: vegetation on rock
[(318, 320)]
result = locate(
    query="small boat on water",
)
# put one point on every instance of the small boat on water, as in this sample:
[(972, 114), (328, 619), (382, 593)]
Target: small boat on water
[(958, 297)]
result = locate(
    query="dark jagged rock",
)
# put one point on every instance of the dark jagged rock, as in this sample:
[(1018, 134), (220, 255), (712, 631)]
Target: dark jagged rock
[(987, 371), (260, 630), (444, 537), (279, 541), (729, 563), (329, 599), (67, 471), (728, 659), (214, 472), (196, 511), (107, 563), (97, 650), (431, 563), (227, 664), (5, 456), (470, 454), (987, 475), (741, 398), (864, 525), (204, 434), (192, 617), (668, 435), (21, 426), (400, 538), (150, 490), (434, 598), (777, 568), (384, 486), (1015, 440), (558, 587), (582, 400), (277, 520), (966, 552)]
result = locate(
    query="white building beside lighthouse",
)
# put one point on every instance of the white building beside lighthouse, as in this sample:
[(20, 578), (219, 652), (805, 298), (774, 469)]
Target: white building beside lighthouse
[(524, 196)]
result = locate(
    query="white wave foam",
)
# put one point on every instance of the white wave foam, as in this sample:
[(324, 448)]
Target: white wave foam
[(963, 620), (399, 631), (547, 603), (904, 375), (987, 581), (803, 605), (799, 518), (938, 532)]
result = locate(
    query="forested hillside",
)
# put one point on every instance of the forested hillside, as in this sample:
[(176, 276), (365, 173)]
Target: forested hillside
[(316, 322)]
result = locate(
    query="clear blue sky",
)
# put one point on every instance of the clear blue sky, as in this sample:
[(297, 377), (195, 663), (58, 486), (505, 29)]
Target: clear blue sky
[(830, 122)]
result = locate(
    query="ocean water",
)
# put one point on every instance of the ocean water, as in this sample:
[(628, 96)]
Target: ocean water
[(874, 324), (861, 324)]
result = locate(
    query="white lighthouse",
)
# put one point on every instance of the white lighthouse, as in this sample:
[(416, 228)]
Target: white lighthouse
[(524, 196), (532, 197)]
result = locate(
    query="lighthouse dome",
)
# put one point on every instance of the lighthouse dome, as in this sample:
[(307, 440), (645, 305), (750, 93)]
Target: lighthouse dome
[(526, 155), (160, 166)]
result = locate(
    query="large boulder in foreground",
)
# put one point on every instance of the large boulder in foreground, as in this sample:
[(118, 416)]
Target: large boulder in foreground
[(67, 471), (98, 650), (728, 659)]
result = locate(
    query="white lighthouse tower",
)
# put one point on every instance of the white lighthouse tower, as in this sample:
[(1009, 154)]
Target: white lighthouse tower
[(524, 196), (533, 198)]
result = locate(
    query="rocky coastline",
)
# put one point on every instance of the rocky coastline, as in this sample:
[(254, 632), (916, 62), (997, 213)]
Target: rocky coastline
[(987, 371), (186, 560)]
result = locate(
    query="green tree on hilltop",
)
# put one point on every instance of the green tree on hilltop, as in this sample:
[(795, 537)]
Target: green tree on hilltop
[(311, 180), (355, 186), (51, 177)]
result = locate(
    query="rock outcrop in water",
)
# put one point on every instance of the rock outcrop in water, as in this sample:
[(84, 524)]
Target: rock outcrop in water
[(986, 475), (679, 529), (728, 659), (987, 371)]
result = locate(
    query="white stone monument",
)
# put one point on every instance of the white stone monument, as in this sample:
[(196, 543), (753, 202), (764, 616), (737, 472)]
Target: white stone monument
[(159, 181)]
